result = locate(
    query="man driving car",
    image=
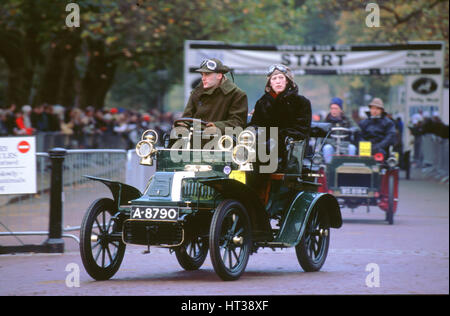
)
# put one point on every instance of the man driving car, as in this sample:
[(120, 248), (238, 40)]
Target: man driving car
[(378, 128), (216, 99)]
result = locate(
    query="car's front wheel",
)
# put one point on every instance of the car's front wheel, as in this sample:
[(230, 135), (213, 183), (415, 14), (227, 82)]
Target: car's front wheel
[(230, 240), (101, 247)]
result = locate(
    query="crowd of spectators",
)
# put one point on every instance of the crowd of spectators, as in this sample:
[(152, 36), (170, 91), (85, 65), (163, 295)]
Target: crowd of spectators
[(101, 128), (424, 123), (84, 128)]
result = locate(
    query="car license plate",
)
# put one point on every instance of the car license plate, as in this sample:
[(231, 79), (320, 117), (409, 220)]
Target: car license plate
[(155, 213), (357, 191)]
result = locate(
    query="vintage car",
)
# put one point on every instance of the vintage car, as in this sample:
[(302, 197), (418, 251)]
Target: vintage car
[(211, 200), (363, 179)]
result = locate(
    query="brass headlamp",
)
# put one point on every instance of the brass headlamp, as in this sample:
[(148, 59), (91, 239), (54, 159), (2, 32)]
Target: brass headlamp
[(225, 142), (244, 153), (145, 148)]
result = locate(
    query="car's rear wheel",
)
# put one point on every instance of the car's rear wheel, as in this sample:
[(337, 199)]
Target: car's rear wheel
[(230, 240), (192, 254), (312, 250), (101, 247)]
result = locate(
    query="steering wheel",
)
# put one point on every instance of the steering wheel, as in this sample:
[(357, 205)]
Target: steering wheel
[(189, 121), (340, 132)]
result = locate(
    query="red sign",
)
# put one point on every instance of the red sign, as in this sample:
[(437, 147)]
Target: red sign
[(23, 147)]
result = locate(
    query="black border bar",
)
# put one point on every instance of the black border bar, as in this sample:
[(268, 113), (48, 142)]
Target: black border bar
[(314, 48)]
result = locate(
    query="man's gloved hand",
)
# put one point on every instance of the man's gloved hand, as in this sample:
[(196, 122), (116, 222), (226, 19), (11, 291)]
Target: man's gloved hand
[(288, 140)]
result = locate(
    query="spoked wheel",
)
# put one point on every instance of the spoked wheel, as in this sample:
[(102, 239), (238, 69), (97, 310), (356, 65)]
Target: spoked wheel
[(230, 240), (101, 246), (192, 255), (312, 250), (390, 211)]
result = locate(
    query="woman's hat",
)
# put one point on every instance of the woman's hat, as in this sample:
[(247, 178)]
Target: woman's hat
[(276, 69), (377, 102)]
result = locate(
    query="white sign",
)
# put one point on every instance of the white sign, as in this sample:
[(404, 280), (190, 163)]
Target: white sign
[(423, 93), (424, 58), (17, 165)]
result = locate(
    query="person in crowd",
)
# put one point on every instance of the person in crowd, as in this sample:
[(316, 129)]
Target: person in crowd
[(100, 124), (77, 124), (428, 125), (54, 124), (377, 128), (83, 128), (337, 118), (217, 100), (283, 107), (3, 128), (39, 118), (23, 122), (415, 129), (10, 119)]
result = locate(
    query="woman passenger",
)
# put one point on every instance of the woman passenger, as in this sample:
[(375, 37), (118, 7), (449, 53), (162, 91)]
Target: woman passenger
[(281, 106)]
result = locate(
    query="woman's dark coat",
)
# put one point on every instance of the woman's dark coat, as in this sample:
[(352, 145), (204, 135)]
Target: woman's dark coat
[(289, 111)]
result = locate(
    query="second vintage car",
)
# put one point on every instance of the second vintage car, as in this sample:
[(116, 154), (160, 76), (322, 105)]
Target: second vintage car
[(363, 179)]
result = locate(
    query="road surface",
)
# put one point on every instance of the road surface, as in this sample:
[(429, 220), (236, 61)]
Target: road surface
[(366, 256)]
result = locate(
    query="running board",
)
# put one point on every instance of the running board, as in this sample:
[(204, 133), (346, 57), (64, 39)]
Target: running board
[(273, 244)]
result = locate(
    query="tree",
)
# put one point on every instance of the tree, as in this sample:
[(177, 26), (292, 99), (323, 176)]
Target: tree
[(49, 61), (400, 22), (20, 43)]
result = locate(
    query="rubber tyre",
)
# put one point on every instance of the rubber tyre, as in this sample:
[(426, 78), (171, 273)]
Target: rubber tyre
[(312, 250), (192, 255), (102, 258), (390, 211), (228, 258)]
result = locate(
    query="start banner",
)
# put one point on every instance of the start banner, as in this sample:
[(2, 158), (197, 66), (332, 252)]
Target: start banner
[(419, 59)]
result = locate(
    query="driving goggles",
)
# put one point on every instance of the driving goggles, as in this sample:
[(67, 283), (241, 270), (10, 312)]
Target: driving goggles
[(210, 64), (274, 67)]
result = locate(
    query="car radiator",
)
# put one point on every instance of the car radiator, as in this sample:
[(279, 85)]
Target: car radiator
[(353, 180), (142, 232)]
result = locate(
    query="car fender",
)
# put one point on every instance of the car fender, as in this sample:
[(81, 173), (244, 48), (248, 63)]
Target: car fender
[(384, 190), (293, 226), (233, 189), (121, 192)]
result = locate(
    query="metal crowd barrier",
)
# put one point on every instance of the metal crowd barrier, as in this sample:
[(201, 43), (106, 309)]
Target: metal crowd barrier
[(24, 217), (433, 157), (137, 175), (47, 140)]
